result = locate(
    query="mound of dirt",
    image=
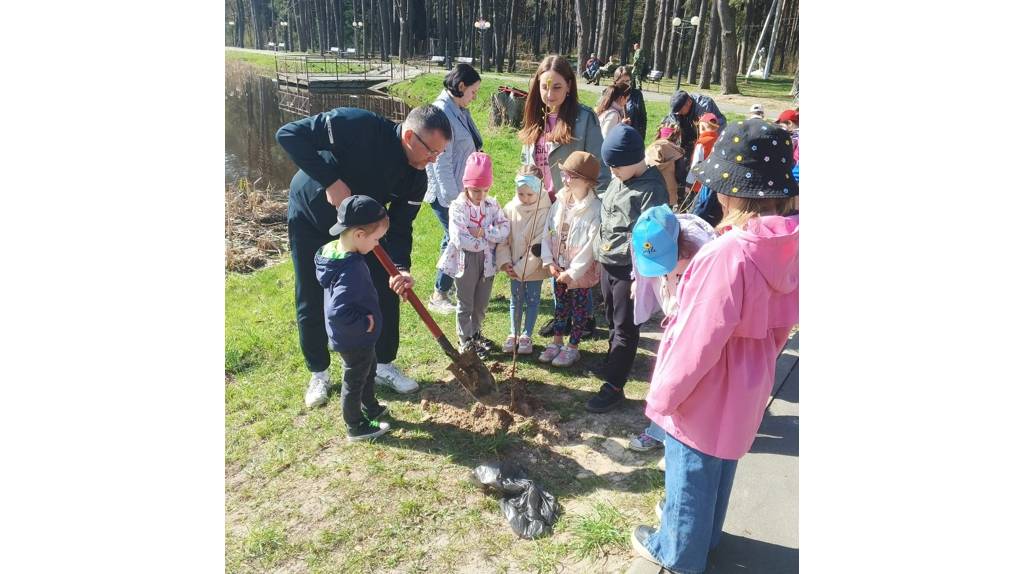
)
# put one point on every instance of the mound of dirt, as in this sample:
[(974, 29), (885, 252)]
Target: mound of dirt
[(511, 409)]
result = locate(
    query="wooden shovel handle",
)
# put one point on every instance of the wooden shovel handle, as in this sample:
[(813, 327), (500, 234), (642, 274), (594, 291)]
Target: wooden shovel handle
[(389, 266)]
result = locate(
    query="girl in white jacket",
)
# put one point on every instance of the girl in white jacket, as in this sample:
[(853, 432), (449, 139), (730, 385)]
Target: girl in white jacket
[(573, 226)]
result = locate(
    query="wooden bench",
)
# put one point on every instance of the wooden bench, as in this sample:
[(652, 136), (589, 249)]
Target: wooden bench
[(465, 60)]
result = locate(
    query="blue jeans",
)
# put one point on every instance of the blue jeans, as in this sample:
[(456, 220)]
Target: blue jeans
[(528, 300), (656, 432), (697, 488), (442, 283)]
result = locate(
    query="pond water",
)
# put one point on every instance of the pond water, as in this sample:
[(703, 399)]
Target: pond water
[(255, 107)]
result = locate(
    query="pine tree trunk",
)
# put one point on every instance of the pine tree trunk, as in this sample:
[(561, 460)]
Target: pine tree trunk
[(691, 74), (671, 61), (583, 8), (537, 27), (727, 16), (716, 67), (647, 31), (710, 46), (774, 42), (627, 34), (658, 58)]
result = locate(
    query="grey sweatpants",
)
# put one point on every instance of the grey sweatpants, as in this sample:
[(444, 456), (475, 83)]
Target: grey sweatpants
[(472, 291)]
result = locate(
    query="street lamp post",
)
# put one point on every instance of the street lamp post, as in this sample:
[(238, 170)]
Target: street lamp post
[(677, 26), (483, 26), (357, 26)]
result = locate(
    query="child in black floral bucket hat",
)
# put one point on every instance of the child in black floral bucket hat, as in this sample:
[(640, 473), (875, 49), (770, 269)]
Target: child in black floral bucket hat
[(715, 367)]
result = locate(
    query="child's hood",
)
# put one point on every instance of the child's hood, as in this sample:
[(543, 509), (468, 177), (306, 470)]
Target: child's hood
[(332, 262), (772, 243)]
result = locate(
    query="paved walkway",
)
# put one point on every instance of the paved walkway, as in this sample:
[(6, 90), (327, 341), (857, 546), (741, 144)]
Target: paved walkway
[(761, 527)]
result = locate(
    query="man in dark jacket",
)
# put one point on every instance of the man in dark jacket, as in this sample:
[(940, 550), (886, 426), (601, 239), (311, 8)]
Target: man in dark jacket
[(684, 110), (339, 153)]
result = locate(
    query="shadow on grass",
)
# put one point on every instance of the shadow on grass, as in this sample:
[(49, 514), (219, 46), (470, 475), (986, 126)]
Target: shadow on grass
[(555, 471)]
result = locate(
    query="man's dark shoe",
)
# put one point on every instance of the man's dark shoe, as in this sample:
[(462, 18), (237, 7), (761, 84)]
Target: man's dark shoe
[(367, 430), (375, 414), (606, 399)]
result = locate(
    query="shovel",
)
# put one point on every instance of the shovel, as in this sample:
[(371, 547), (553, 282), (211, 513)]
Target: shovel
[(468, 369)]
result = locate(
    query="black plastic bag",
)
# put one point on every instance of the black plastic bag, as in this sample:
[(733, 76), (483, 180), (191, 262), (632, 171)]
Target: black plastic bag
[(530, 510)]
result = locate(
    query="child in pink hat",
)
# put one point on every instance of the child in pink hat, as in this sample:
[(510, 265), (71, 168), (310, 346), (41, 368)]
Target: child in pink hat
[(476, 225)]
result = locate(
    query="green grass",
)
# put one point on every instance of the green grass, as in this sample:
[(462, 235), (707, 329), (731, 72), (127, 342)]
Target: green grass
[(600, 531), (263, 62), (300, 498)]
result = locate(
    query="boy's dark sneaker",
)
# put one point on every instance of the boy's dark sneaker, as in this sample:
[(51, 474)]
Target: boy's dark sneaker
[(606, 399), (375, 414), (367, 430)]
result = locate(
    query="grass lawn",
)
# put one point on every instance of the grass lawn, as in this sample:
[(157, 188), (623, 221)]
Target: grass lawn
[(264, 62), (299, 498)]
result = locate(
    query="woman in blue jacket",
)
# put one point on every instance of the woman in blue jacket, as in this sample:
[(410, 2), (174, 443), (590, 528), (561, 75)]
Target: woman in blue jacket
[(444, 177)]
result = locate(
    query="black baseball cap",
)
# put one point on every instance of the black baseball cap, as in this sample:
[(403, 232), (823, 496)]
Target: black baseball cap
[(357, 210)]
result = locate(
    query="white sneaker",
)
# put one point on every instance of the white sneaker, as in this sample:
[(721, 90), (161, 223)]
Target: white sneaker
[(316, 392), (566, 357), (549, 353), (388, 375), (441, 303)]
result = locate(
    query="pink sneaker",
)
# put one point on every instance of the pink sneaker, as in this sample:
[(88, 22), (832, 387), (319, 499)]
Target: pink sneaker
[(549, 353), (525, 345)]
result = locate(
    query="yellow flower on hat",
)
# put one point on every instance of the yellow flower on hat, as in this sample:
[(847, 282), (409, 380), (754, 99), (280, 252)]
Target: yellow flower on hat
[(735, 189), (736, 139), (739, 158), (725, 175)]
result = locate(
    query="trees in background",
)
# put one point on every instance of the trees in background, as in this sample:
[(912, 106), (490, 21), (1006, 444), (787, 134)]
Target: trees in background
[(726, 43)]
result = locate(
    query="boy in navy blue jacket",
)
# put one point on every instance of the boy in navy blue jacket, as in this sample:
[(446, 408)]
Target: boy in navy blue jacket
[(352, 310)]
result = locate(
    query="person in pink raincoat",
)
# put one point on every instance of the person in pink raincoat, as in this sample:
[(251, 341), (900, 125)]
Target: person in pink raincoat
[(737, 303)]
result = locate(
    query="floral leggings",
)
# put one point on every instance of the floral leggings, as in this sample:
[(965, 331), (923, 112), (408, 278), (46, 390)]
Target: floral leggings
[(574, 301)]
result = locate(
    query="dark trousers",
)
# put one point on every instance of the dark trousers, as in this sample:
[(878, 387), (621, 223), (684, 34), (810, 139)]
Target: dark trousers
[(442, 282), (357, 384), (623, 334), (304, 240)]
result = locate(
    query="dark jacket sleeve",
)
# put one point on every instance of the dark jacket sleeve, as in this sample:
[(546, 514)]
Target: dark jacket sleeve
[(402, 212), (711, 106), (302, 139)]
